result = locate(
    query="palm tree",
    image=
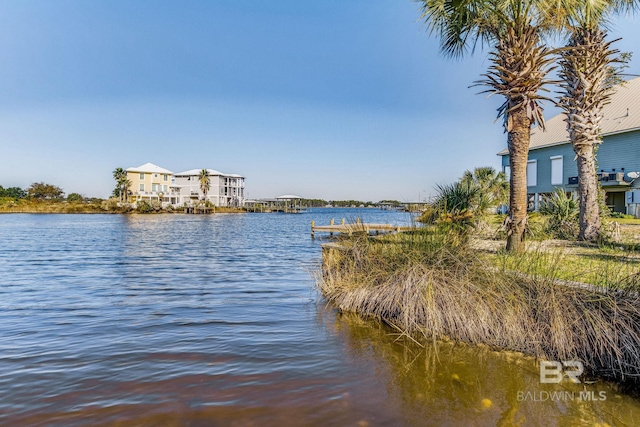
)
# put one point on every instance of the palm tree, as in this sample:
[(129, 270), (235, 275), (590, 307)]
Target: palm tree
[(205, 182), (125, 184), (590, 71), (492, 186), (520, 65), (119, 175)]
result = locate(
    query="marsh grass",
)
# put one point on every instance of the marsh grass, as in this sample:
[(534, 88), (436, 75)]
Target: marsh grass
[(429, 285), (39, 206), (112, 205)]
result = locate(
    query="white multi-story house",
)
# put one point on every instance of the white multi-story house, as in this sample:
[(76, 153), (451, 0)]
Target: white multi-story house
[(224, 189)]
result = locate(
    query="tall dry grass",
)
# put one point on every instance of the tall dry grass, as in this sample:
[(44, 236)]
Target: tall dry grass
[(432, 286)]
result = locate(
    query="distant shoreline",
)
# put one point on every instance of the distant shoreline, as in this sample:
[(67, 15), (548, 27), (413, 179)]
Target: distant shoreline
[(90, 208)]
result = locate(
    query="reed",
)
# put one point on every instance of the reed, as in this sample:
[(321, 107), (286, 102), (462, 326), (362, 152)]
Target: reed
[(431, 286)]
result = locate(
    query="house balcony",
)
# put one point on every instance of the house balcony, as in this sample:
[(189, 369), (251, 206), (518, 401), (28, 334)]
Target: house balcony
[(606, 179), (155, 193)]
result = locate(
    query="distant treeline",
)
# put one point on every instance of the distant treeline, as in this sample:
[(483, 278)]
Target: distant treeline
[(318, 203), (43, 191)]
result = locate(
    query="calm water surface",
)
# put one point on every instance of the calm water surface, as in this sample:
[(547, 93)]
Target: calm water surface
[(214, 320)]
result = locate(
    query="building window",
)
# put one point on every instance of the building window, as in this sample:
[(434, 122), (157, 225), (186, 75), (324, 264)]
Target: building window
[(556, 170), (141, 175), (165, 177), (165, 188), (532, 173), (141, 187)]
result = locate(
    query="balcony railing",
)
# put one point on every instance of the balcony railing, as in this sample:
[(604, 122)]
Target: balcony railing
[(606, 178)]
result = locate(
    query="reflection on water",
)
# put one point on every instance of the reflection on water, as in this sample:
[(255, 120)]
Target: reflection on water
[(448, 384), (214, 320)]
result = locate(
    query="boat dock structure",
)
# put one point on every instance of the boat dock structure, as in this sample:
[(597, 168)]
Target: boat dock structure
[(357, 227)]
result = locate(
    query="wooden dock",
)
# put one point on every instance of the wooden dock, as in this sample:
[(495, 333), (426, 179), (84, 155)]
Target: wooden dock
[(200, 209), (354, 228)]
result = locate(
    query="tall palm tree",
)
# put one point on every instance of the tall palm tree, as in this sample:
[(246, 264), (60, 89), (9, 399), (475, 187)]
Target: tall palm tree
[(119, 175), (205, 182), (520, 65), (590, 70)]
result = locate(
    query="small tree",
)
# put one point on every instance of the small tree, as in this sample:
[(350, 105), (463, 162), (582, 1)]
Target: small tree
[(75, 198), (43, 191), (13, 192), (205, 182), (493, 187)]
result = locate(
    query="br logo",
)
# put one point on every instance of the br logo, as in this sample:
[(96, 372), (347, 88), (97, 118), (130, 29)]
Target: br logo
[(552, 372)]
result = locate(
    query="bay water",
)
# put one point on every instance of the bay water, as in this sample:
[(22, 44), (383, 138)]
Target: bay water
[(206, 320)]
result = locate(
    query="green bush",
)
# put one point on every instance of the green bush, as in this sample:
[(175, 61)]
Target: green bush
[(620, 215), (75, 198), (455, 207), (563, 211), (110, 204), (142, 206)]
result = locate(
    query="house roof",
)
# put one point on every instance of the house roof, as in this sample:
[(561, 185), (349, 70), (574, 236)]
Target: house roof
[(195, 172), (622, 114), (150, 168)]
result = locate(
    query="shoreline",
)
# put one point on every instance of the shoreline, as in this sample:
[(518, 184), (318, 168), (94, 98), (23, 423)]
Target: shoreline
[(449, 295), (59, 208)]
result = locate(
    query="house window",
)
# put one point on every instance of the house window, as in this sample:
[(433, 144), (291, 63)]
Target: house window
[(141, 175), (507, 172), (556, 170), (532, 173), (165, 188), (141, 187), (165, 177)]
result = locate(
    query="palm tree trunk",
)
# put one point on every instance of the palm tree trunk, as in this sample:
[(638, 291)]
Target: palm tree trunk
[(588, 193), (589, 76), (518, 142)]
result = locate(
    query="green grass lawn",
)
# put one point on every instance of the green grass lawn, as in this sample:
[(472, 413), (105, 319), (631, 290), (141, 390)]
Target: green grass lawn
[(602, 266)]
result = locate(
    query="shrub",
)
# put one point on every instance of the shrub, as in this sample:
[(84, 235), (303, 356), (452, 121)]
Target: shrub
[(75, 198), (563, 211), (620, 215), (454, 208), (142, 206), (109, 205)]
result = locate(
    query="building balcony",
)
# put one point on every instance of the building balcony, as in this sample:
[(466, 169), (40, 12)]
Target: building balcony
[(606, 179)]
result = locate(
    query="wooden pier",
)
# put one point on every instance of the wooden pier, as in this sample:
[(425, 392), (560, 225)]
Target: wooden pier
[(200, 209), (354, 228)]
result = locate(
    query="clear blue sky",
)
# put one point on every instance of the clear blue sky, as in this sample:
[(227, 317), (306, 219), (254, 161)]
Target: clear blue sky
[(332, 99)]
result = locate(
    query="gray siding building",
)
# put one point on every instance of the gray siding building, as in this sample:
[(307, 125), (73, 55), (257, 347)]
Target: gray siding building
[(552, 160), (225, 189)]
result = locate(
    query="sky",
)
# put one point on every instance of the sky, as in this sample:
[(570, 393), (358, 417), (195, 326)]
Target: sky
[(332, 99)]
